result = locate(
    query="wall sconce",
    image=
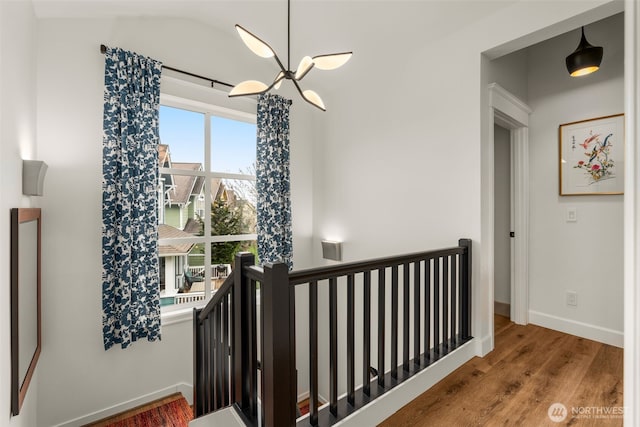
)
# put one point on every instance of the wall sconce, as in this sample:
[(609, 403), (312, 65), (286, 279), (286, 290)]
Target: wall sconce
[(33, 172), (332, 250)]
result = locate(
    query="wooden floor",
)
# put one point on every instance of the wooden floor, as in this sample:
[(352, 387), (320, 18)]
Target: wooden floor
[(530, 369)]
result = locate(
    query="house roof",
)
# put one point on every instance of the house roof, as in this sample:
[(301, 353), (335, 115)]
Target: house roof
[(186, 185), (192, 227), (163, 155), (168, 232), (219, 191)]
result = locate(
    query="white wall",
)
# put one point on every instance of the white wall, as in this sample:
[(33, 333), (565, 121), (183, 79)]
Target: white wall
[(502, 258), (585, 256), (400, 152), (17, 142), (510, 72), (70, 82)]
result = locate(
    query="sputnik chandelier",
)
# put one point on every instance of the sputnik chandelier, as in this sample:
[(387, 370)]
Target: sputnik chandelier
[(262, 49)]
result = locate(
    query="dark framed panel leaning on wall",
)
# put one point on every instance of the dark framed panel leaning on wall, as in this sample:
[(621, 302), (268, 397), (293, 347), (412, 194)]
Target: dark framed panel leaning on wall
[(25, 300)]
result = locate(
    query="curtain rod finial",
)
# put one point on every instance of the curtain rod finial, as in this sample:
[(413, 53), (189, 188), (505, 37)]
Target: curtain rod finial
[(103, 49)]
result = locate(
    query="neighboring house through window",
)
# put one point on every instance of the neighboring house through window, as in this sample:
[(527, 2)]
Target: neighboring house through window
[(207, 197)]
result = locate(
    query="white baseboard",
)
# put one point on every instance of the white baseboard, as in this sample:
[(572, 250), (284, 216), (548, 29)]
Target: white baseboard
[(185, 389), (484, 346), (573, 327), (386, 405)]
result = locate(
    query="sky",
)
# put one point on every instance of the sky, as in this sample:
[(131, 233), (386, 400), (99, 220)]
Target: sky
[(233, 142)]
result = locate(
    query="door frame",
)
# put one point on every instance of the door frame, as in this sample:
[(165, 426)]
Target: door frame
[(508, 111)]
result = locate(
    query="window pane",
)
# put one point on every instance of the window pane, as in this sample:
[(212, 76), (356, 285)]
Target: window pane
[(182, 199), (176, 275), (181, 202), (182, 274), (180, 209), (233, 207), (233, 146), (183, 132), (223, 254)]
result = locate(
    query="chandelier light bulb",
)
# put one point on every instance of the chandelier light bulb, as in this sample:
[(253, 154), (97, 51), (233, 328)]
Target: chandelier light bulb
[(256, 45), (307, 63), (248, 87), (314, 99), (278, 80), (331, 61)]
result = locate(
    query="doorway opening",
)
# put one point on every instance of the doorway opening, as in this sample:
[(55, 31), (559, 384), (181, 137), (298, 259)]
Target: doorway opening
[(503, 221), (511, 116)]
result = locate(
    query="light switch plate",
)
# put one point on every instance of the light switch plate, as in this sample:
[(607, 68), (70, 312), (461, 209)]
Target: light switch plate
[(572, 215)]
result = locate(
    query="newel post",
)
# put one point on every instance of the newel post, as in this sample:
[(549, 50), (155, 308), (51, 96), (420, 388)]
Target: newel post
[(278, 347), (465, 327), (243, 351)]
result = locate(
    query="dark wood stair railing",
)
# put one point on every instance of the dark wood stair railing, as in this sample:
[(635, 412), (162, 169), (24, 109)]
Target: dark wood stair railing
[(436, 303)]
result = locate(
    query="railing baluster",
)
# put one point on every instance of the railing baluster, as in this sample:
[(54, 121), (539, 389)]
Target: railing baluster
[(394, 322), (416, 313), (453, 299), (366, 334), (232, 360), (253, 346), (214, 359), (197, 364), (460, 297), (209, 366), (381, 321), (445, 301), (405, 317), (313, 353), (219, 358), (350, 341), (466, 289), (333, 346), (205, 374), (225, 351), (436, 304), (427, 309)]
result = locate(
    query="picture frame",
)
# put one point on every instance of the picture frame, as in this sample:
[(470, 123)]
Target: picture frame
[(26, 301), (591, 156)]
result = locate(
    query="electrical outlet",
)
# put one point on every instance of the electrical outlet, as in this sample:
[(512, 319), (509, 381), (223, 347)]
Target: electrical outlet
[(572, 215), (572, 298)]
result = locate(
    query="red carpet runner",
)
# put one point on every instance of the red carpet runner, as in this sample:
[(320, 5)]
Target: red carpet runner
[(170, 412)]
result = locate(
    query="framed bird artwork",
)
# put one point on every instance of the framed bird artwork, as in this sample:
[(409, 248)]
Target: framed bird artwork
[(592, 156)]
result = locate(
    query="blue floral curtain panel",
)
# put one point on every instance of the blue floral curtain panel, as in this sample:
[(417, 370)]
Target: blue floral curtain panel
[(130, 296), (272, 180)]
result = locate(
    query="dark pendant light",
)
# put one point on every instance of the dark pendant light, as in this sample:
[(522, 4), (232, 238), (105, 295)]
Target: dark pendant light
[(262, 49), (585, 59)]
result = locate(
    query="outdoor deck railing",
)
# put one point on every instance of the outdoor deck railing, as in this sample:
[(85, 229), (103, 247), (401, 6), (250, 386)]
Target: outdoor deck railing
[(429, 316), (197, 270), (188, 297)]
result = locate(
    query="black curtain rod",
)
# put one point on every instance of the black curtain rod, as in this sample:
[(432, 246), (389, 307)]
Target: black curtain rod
[(103, 49)]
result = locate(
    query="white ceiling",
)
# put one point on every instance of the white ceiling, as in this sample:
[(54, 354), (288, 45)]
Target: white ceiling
[(324, 26)]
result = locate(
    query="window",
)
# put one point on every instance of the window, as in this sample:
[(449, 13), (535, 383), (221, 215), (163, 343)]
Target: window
[(206, 197)]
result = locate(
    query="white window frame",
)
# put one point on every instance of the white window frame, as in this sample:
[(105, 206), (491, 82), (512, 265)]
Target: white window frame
[(181, 94)]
